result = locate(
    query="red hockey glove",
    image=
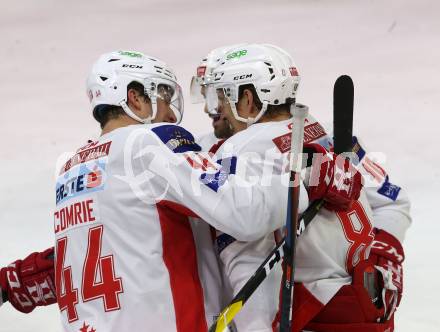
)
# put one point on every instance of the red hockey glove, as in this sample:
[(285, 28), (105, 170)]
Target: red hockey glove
[(332, 178), (387, 256), (30, 282)]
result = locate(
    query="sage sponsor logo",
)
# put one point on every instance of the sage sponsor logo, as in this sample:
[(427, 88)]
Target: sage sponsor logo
[(237, 54), (131, 54)]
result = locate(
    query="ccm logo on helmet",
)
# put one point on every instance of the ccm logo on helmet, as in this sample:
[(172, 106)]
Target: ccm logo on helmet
[(132, 66), (242, 77)]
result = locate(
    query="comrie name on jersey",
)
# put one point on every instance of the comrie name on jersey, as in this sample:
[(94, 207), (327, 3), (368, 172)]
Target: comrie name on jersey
[(77, 213)]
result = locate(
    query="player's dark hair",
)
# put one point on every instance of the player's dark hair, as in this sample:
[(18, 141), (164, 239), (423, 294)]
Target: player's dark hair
[(104, 113), (272, 110)]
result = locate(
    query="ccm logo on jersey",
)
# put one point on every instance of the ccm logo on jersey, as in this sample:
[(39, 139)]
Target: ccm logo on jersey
[(78, 213), (87, 180)]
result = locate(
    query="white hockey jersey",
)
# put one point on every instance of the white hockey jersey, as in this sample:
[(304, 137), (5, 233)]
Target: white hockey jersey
[(206, 141), (125, 252), (390, 202), (328, 249)]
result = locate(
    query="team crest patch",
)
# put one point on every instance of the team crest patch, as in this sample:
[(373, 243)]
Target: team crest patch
[(389, 190), (176, 138)]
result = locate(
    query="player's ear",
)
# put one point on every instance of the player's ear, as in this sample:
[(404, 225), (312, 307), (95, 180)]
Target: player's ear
[(253, 109), (133, 98), (247, 101)]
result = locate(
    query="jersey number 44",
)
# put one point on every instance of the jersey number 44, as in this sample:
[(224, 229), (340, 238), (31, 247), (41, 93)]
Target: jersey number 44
[(98, 277)]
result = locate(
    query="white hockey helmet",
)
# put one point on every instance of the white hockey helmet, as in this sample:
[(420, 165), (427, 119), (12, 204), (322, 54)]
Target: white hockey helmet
[(268, 68), (113, 72), (205, 69)]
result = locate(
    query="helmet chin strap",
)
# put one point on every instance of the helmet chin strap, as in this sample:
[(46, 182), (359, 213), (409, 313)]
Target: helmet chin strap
[(131, 114), (249, 121)]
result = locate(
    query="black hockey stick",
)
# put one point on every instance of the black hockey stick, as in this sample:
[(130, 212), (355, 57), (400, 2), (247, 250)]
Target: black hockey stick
[(236, 304), (4, 296), (288, 264), (343, 97)]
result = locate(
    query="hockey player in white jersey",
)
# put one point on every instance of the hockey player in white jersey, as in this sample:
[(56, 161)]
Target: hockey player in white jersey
[(149, 165), (28, 283), (125, 253), (237, 88), (263, 69), (391, 192)]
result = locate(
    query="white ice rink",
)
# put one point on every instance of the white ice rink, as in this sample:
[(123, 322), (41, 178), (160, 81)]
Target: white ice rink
[(391, 48)]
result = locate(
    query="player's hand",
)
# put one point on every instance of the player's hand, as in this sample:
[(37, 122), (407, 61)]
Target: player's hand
[(30, 282), (387, 256), (332, 178)]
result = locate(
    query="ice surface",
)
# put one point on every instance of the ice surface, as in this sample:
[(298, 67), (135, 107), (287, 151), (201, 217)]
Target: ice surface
[(390, 48)]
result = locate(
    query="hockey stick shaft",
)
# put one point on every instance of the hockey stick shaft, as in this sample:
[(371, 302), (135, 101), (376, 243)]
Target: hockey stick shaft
[(343, 98), (296, 148), (3, 297)]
